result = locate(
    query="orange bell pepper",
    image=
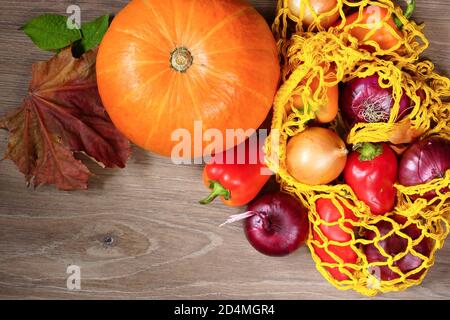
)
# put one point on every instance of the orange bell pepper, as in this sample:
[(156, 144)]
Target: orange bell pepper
[(328, 112), (384, 30)]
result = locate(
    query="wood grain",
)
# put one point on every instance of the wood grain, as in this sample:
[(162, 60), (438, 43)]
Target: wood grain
[(139, 233)]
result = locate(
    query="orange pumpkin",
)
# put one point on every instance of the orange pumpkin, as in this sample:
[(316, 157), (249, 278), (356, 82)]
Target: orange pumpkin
[(164, 64)]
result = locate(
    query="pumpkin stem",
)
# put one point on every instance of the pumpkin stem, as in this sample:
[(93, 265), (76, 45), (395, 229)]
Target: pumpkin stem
[(181, 59)]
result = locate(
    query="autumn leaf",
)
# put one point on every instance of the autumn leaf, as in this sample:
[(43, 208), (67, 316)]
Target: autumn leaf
[(63, 115)]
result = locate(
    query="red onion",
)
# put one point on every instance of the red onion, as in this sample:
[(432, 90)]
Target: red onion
[(393, 246), (279, 224), (364, 100), (424, 161)]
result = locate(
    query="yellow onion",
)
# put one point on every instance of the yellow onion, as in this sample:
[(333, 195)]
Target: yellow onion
[(319, 6), (316, 156)]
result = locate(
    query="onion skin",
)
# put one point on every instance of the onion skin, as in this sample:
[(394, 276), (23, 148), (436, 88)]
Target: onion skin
[(316, 156), (364, 100), (424, 161)]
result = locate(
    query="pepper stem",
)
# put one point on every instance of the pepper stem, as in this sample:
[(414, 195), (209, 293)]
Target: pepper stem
[(410, 8), (369, 151), (217, 191)]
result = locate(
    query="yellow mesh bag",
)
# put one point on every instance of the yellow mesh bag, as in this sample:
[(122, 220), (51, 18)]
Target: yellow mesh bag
[(333, 56), (411, 41)]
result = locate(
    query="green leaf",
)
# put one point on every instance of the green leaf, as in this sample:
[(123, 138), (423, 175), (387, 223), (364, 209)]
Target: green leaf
[(93, 32), (50, 32)]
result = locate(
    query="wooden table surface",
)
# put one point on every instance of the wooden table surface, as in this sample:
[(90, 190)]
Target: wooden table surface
[(165, 245)]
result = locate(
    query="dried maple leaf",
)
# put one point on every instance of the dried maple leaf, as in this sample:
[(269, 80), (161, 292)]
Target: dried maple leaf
[(63, 114)]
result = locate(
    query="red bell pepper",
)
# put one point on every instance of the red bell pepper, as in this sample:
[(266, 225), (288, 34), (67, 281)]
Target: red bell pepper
[(237, 183), (371, 172), (329, 213), (384, 30)]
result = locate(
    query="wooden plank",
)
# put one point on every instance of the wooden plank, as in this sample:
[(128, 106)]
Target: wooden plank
[(139, 232)]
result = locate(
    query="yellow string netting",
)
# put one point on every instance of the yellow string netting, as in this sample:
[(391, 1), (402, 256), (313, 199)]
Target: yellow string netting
[(333, 56)]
